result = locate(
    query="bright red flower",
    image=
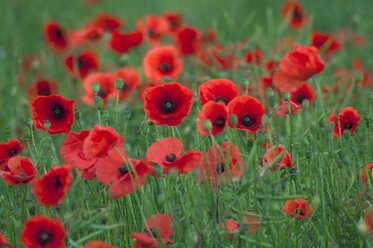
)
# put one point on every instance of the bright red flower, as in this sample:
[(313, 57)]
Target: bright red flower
[(57, 110), (233, 225), (298, 208), (4, 242), (97, 244), (167, 154), (218, 90), (21, 170), (56, 35), (50, 189), (282, 110), (131, 79), (100, 140), (295, 12), (162, 62), (368, 220), (285, 83), (158, 223), (153, 28), (348, 119), (42, 87), (122, 42), (301, 63), (304, 92), (87, 62), (367, 81), (283, 163), (174, 21), (107, 22), (249, 112), (217, 114), (107, 86), (43, 232), (10, 149), (258, 56), (321, 40), (168, 103), (188, 40), (368, 168)]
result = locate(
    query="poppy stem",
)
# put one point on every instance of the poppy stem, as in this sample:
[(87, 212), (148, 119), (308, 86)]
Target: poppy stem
[(33, 143), (117, 109), (291, 129)]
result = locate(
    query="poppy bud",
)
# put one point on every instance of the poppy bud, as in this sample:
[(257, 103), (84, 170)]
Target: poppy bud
[(167, 80), (161, 199), (362, 229), (95, 87), (123, 60), (207, 124), (26, 132), (306, 104), (286, 96), (337, 113), (331, 126), (47, 124), (119, 83), (316, 202), (99, 103), (30, 122), (77, 113), (233, 119)]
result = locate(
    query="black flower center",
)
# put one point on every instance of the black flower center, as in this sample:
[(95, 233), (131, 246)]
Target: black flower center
[(168, 105), (219, 122), (44, 237), (123, 169), (57, 182), (125, 86), (348, 125), (12, 152), (300, 98), (220, 167), (152, 232), (174, 24), (151, 32), (57, 111), (247, 120), (102, 92), (44, 93), (299, 212), (82, 62), (297, 15), (58, 34), (171, 157), (165, 67), (221, 99)]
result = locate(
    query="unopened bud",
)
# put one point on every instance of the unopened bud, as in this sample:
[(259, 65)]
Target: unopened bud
[(95, 87), (99, 103), (119, 83)]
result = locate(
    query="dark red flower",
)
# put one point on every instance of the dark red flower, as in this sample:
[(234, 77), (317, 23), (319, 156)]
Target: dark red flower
[(293, 11), (107, 22), (107, 88), (50, 189), (90, 33), (257, 58), (321, 40), (57, 110), (97, 244), (56, 35), (153, 28), (217, 114), (174, 21), (131, 79), (298, 208), (4, 242), (100, 140), (162, 62), (42, 87), (87, 62), (168, 103), (158, 223), (20, 170), (122, 42), (167, 154), (368, 168), (283, 163), (304, 92), (348, 119), (43, 232), (368, 220), (218, 90), (10, 149), (233, 225), (249, 112), (188, 40), (366, 75)]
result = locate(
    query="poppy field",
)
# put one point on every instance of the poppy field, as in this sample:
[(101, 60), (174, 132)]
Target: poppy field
[(152, 124)]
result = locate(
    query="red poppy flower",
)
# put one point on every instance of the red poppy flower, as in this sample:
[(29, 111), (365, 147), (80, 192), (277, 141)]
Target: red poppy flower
[(209, 36), (167, 154), (369, 168), (43, 232), (107, 88), (188, 40), (258, 56), (218, 90), (50, 189), (90, 33), (20, 170), (4, 242), (158, 222), (122, 42), (366, 76), (217, 114), (56, 35), (348, 119), (57, 110), (320, 40), (100, 140), (233, 225), (153, 28), (10, 149), (271, 66), (283, 163), (174, 21), (162, 62), (301, 63), (295, 12), (368, 220), (168, 103), (87, 62), (298, 208), (249, 112), (285, 83), (97, 244), (216, 165), (304, 92), (107, 22), (131, 79), (42, 87), (282, 110), (223, 57)]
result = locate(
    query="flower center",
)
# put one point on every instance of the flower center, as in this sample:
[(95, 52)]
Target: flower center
[(297, 15), (125, 86), (174, 24), (57, 111), (82, 62), (220, 167), (44, 93), (12, 152), (300, 98), (58, 34), (221, 99), (348, 125), (171, 157), (102, 92), (152, 232), (219, 122), (165, 67), (57, 182), (123, 169), (151, 32), (168, 105), (247, 120), (44, 237), (299, 212)]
